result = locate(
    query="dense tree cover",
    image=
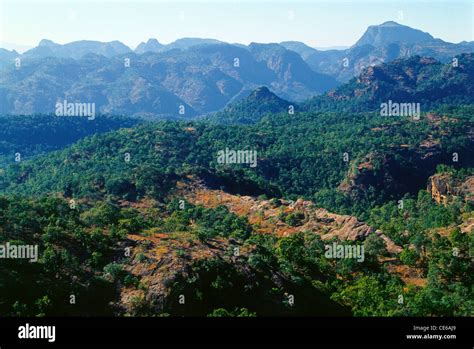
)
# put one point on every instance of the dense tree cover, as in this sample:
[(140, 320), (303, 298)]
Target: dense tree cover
[(71, 256), (462, 111), (251, 109), (367, 288), (404, 221), (36, 134), (300, 154), (433, 242), (81, 255), (241, 281), (69, 203), (212, 222), (242, 312)]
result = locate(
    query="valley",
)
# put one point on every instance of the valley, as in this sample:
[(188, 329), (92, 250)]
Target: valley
[(224, 180)]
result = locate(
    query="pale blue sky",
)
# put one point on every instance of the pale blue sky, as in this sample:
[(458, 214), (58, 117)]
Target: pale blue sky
[(317, 23)]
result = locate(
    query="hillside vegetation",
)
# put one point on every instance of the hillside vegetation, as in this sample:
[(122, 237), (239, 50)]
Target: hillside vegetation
[(146, 220)]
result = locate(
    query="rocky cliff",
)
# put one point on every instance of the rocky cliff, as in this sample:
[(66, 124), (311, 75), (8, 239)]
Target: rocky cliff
[(444, 187)]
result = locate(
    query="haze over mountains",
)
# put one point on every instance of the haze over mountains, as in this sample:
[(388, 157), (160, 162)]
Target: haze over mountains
[(379, 44), (322, 166), (193, 76), (417, 79)]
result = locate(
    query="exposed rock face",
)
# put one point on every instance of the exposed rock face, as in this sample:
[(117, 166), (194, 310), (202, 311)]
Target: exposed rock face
[(443, 187), (152, 45), (267, 216), (161, 261), (387, 172), (467, 189), (156, 261), (440, 188), (165, 263)]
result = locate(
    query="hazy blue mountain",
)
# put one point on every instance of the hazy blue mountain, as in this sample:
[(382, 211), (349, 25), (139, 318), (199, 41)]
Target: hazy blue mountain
[(76, 49), (392, 32), (186, 43), (152, 45), (159, 85), (41, 83), (197, 76), (295, 79), (379, 44), (299, 47), (327, 48), (6, 54), (7, 58)]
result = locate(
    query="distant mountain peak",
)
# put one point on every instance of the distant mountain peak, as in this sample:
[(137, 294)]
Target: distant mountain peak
[(77, 49), (152, 45), (262, 92), (301, 48), (261, 99), (392, 32), (390, 24), (47, 43)]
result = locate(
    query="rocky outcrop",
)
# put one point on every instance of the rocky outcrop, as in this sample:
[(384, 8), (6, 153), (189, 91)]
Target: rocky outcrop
[(174, 268), (443, 188), (268, 216), (405, 168), (163, 262), (440, 188), (159, 260)]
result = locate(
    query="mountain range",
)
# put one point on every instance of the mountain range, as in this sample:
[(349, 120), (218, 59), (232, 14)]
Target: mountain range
[(230, 238), (162, 84), (379, 44), (194, 76), (416, 79)]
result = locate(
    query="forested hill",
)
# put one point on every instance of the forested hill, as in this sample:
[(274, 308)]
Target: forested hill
[(252, 108), (416, 80), (413, 80), (305, 151), (23, 137), (85, 204), (310, 154)]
